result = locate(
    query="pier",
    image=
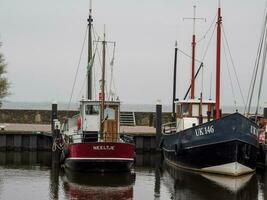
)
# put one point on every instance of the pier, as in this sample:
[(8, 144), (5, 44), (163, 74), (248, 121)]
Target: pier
[(38, 137)]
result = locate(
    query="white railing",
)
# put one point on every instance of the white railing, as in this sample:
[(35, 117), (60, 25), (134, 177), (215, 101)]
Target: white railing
[(169, 128)]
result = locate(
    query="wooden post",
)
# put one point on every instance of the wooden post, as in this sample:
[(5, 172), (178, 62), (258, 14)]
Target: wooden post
[(158, 122), (55, 134), (53, 115)]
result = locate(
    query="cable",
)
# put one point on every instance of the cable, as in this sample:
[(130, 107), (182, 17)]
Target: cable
[(262, 72), (210, 84), (229, 74), (256, 67), (84, 81), (186, 54), (231, 58), (77, 69), (204, 36), (206, 51)]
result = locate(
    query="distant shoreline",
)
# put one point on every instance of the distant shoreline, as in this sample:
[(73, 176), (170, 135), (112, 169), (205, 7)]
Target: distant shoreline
[(124, 107)]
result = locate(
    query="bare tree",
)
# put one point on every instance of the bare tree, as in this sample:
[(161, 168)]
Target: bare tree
[(4, 84)]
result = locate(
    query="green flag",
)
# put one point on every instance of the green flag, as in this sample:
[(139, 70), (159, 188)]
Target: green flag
[(90, 64)]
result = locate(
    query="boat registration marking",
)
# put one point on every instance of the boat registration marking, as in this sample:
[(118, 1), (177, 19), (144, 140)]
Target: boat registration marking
[(103, 148), (254, 130), (206, 130)]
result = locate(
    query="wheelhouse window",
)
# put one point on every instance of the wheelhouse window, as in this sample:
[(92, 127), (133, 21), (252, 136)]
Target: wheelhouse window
[(179, 110), (195, 110), (110, 113), (91, 110), (185, 109)]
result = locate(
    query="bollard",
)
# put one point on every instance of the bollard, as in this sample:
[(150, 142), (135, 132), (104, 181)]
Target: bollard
[(158, 122)]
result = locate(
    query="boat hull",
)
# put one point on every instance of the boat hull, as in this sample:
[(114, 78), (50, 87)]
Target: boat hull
[(226, 146), (100, 157)]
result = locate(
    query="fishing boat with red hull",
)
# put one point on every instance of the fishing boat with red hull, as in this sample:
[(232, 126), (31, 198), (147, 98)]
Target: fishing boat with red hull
[(200, 139), (100, 156), (93, 141)]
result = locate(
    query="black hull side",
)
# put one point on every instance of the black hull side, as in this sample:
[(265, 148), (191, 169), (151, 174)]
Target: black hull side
[(200, 158), (98, 165), (226, 146)]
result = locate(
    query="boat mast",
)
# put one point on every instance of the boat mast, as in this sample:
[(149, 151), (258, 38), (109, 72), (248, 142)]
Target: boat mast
[(174, 82), (193, 52), (104, 42), (218, 63), (193, 56), (89, 71)]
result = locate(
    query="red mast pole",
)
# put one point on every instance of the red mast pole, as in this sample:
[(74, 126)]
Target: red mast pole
[(218, 64), (193, 66), (193, 53)]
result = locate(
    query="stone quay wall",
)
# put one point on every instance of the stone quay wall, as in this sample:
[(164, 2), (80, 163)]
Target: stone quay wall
[(44, 116), (31, 116), (149, 118)]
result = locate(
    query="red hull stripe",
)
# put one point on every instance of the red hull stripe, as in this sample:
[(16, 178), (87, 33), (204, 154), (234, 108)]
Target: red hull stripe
[(100, 159)]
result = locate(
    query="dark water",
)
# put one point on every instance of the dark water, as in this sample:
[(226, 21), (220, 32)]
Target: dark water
[(29, 176)]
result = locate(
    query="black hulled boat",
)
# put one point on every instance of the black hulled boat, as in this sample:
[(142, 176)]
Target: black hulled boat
[(228, 146), (200, 139)]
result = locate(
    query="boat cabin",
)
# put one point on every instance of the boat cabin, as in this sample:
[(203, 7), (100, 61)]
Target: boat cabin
[(193, 112), (86, 126)]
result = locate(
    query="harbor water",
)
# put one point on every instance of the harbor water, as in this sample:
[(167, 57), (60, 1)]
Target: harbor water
[(29, 175)]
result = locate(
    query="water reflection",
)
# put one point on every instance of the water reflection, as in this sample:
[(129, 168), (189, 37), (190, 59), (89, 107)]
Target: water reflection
[(54, 183), (33, 176), (25, 159), (99, 186), (188, 185)]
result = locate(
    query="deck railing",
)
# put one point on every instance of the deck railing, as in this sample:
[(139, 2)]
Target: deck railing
[(169, 128)]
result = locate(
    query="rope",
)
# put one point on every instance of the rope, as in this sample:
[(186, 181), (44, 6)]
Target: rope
[(112, 81), (206, 51), (58, 144), (204, 36), (255, 70), (233, 65), (98, 53), (210, 83), (186, 54), (84, 81), (229, 74), (262, 70), (77, 70)]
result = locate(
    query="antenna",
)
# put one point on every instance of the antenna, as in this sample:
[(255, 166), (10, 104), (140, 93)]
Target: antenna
[(104, 32), (90, 8), (194, 18)]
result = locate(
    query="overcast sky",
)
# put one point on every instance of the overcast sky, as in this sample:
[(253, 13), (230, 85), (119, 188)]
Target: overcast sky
[(42, 41)]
